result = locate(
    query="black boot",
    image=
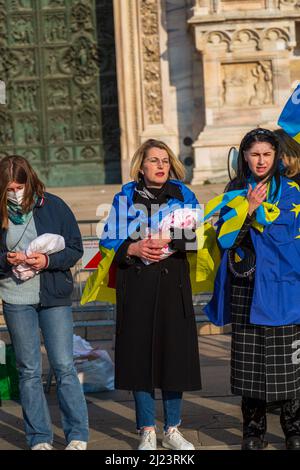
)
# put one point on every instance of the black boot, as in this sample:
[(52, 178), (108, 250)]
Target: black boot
[(290, 423), (254, 424)]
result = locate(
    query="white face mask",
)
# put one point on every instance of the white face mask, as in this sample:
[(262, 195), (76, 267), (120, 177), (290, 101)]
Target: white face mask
[(16, 197)]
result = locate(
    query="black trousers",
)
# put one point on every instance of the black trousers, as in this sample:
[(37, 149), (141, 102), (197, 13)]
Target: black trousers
[(254, 413)]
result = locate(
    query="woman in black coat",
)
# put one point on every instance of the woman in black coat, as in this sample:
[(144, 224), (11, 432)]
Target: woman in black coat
[(156, 340)]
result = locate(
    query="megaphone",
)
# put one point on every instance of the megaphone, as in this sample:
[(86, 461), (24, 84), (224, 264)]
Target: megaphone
[(232, 163)]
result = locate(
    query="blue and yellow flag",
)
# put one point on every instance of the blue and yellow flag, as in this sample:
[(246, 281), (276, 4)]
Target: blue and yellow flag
[(276, 295), (123, 221), (234, 209), (289, 119)]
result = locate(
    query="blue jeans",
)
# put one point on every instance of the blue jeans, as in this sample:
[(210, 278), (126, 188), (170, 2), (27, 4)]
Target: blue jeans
[(145, 409), (56, 323)]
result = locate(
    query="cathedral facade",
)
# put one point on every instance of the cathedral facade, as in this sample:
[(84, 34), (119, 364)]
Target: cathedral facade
[(88, 80)]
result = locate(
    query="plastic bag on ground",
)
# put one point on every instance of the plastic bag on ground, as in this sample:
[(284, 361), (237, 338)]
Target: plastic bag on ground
[(94, 367)]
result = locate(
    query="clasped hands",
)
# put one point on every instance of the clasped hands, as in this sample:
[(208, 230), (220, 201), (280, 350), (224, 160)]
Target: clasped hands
[(150, 248), (36, 261)]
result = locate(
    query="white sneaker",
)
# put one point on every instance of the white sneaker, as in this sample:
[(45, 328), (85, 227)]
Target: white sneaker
[(148, 440), (173, 439), (76, 445), (42, 446)]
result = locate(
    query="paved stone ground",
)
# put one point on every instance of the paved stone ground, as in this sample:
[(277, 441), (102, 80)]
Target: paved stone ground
[(211, 418)]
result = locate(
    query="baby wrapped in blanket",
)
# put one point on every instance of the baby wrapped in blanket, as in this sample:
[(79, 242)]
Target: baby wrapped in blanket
[(47, 244), (178, 219)]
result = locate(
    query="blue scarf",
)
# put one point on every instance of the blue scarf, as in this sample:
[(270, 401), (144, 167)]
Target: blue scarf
[(16, 214)]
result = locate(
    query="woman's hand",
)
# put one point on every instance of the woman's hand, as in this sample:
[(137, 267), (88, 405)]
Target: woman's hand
[(147, 248), (37, 261), (16, 258), (256, 196)]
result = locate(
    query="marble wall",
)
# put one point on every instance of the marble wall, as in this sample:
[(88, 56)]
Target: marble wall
[(199, 74), (186, 76)]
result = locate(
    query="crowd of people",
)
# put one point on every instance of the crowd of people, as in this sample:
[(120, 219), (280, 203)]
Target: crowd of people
[(256, 290)]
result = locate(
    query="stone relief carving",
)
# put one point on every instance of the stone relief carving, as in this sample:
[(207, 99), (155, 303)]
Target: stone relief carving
[(289, 4), (6, 129), (87, 125), (85, 97), (26, 62), (22, 30), (31, 155), (74, 67), (247, 84), (52, 63), (149, 15), (81, 17), (55, 28), (27, 130), (3, 28), (23, 96), (245, 40), (16, 4), (56, 3), (81, 61), (263, 85), (62, 154), (276, 39), (58, 94), (59, 129), (88, 153), (9, 63), (218, 39)]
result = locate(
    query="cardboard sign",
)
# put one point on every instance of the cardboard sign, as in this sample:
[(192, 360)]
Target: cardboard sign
[(91, 255)]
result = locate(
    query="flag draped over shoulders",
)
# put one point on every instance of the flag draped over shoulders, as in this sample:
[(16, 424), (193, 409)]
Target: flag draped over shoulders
[(125, 219), (276, 296), (234, 209)]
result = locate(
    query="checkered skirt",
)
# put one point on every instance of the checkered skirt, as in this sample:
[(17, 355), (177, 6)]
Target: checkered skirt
[(261, 359)]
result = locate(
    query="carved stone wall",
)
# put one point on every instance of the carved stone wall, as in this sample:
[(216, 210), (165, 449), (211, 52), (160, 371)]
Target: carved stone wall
[(50, 63), (149, 15), (247, 84), (247, 72), (146, 97)]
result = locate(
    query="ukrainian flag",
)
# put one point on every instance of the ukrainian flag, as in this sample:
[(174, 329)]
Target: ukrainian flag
[(289, 119), (101, 285)]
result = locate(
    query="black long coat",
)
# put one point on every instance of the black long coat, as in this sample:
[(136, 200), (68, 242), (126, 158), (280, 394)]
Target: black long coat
[(156, 336)]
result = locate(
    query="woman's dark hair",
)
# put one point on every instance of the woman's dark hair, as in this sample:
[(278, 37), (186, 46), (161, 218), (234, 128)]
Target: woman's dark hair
[(17, 169), (243, 171), (290, 152)]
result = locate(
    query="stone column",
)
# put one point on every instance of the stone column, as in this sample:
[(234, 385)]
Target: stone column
[(146, 98)]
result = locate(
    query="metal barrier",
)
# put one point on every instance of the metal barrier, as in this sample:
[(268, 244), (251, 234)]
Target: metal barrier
[(108, 311)]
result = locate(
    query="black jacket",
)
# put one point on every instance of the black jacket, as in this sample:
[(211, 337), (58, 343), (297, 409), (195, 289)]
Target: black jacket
[(52, 215)]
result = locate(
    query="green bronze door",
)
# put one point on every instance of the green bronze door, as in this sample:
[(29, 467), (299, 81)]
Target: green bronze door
[(48, 59)]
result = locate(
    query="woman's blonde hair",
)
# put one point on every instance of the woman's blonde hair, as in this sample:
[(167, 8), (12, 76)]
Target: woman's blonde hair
[(177, 170), (290, 152)]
